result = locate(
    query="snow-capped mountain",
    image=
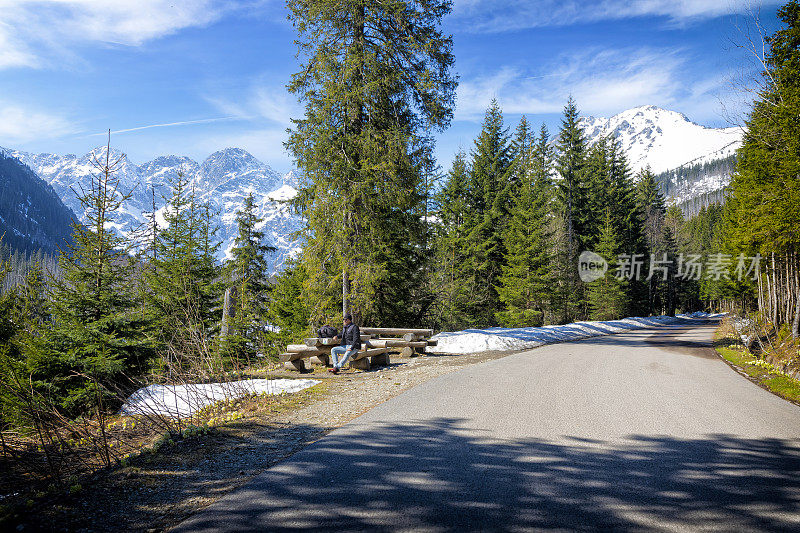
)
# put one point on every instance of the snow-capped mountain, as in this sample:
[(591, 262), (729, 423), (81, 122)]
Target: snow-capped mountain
[(668, 141), (224, 180), (663, 139)]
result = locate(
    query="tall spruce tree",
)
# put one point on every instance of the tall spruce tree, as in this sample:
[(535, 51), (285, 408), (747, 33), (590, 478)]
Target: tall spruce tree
[(626, 215), (571, 154), (289, 307), (184, 287), (660, 241), (453, 281), (490, 175), (375, 80), (97, 335), (521, 152), (763, 216), (247, 274), (570, 164), (526, 282), (599, 192)]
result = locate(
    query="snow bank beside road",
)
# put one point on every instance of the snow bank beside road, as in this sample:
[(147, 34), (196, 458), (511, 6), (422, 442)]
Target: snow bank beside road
[(482, 340), (181, 401)]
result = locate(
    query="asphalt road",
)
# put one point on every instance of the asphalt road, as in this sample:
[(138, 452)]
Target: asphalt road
[(647, 430)]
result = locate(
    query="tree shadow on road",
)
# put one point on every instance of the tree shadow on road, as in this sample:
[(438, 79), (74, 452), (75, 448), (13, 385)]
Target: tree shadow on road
[(439, 476)]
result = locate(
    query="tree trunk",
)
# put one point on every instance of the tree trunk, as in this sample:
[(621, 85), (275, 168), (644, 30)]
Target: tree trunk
[(796, 320), (789, 289), (760, 291), (773, 299), (345, 292), (227, 311)]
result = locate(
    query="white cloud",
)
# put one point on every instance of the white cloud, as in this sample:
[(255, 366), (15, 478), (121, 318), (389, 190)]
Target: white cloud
[(34, 32), (493, 16), (13, 53), (19, 125), (262, 101), (603, 82)]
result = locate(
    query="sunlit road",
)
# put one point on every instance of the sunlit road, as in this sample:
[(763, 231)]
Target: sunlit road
[(638, 431)]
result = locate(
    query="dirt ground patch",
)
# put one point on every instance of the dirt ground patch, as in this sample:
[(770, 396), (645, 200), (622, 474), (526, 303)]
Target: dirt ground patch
[(156, 492)]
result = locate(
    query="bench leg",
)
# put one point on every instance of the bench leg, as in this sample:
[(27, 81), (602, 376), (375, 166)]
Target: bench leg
[(380, 360), (360, 364), (407, 351), (320, 360), (297, 364)]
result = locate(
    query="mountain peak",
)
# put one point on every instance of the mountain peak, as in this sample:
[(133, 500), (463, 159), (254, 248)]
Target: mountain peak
[(233, 154), (660, 138)]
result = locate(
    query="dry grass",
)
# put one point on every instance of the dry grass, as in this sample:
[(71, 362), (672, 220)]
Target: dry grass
[(772, 363), (26, 481)]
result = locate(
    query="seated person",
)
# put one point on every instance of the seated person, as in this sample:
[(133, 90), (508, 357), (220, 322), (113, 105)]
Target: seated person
[(349, 345)]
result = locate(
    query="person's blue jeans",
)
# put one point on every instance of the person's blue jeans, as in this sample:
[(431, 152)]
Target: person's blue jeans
[(339, 350)]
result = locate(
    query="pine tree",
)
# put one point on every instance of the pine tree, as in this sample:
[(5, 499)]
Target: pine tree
[(571, 154), (454, 283), (659, 240), (765, 189), (521, 152), (183, 284), (374, 81), (607, 296), (627, 221), (599, 192), (289, 307), (96, 335), (247, 272), (526, 282), (626, 215), (490, 176), (570, 164)]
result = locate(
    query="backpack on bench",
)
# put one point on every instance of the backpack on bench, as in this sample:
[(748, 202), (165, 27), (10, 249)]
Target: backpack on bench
[(327, 332)]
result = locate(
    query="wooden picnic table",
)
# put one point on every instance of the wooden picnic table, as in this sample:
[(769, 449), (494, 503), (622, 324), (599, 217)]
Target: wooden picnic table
[(374, 350)]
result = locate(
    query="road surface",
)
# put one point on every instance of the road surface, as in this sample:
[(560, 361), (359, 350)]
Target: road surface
[(637, 431)]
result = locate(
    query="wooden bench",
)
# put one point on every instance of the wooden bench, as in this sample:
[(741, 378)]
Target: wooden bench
[(374, 351), (318, 350)]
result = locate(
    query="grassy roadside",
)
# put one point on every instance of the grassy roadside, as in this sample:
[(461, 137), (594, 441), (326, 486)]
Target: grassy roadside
[(768, 376)]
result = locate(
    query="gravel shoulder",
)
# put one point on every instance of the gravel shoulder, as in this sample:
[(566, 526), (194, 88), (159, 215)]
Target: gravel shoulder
[(156, 492)]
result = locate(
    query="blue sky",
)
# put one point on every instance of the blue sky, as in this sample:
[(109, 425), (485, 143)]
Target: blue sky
[(189, 77)]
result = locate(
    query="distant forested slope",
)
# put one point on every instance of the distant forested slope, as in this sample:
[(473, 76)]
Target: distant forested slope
[(694, 185), (32, 216)]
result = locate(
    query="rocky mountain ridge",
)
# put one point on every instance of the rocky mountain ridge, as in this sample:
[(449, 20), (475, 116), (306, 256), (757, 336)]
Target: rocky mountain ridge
[(673, 146), (223, 179)]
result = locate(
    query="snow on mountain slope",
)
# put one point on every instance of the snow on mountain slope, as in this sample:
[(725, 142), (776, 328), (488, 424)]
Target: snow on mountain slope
[(663, 139), (224, 180)]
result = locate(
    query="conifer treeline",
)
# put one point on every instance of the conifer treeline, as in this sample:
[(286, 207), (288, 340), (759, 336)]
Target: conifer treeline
[(107, 321), (762, 215), (515, 214)]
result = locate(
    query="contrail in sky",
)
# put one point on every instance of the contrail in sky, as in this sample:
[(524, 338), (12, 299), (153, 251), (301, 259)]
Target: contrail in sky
[(166, 125)]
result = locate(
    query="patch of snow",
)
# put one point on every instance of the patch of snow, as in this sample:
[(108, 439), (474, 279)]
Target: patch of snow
[(182, 401), (284, 193), (505, 339)]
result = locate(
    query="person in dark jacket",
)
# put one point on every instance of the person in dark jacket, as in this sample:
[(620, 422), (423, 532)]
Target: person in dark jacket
[(350, 343)]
